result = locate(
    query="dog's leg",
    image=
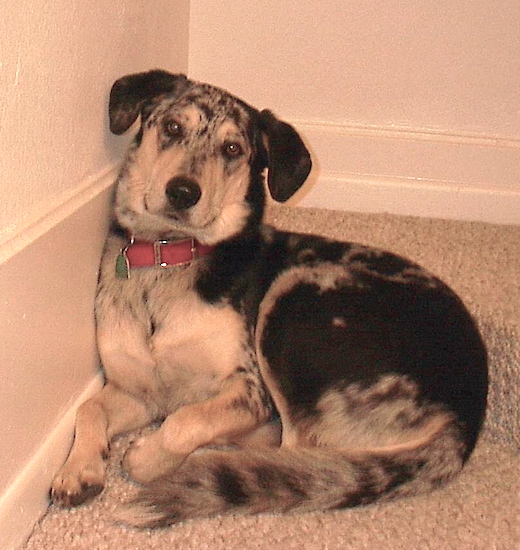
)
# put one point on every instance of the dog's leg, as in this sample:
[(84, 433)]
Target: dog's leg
[(98, 420), (223, 419), (266, 435)]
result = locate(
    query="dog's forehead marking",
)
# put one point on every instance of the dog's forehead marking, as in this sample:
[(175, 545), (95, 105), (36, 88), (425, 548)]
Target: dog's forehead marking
[(206, 111), (191, 116), (212, 104)]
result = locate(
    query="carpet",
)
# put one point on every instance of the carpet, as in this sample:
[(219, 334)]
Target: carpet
[(480, 510)]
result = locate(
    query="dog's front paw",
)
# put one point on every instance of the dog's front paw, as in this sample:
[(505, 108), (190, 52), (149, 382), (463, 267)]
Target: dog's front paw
[(147, 459), (78, 482)]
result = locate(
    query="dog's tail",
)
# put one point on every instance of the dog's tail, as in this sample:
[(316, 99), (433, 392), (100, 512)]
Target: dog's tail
[(215, 482)]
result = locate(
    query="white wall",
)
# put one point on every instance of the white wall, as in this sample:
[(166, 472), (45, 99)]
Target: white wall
[(57, 163), (410, 107)]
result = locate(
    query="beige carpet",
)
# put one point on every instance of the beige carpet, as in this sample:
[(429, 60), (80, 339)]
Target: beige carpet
[(479, 511)]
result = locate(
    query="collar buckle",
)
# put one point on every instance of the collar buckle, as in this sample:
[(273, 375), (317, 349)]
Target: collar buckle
[(158, 255)]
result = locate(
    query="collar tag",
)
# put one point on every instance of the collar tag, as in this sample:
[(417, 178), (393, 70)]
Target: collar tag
[(122, 267)]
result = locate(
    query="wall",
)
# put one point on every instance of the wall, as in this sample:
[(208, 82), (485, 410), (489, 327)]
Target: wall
[(58, 60), (410, 107), (57, 163)]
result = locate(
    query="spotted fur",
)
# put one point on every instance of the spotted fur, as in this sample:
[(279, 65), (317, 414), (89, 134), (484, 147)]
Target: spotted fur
[(371, 366)]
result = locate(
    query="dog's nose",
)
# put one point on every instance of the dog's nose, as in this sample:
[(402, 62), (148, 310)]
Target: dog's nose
[(182, 193)]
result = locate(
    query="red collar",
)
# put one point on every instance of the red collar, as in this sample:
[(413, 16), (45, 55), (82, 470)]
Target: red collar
[(159, 254)]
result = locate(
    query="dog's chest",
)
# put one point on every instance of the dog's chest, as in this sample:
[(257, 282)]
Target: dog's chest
[(194, 342), (189, 346)]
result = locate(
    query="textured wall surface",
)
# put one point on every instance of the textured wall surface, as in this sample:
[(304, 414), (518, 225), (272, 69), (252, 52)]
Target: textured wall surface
[(57, 62), (443, 65)]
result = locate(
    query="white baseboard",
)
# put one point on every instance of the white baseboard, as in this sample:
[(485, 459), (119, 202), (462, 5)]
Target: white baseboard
[(26, 499), (341, 192), (413, 172), (48, 357), (51, 213)]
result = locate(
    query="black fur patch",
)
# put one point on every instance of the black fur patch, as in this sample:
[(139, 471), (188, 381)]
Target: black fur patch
[(275, 480), (382, 262), (308, 355), (378, 477), (386, 326), (209, 113), (230, 486)]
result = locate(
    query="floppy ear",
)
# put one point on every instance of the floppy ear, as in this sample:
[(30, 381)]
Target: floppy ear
[(131, 93), (289, 161)]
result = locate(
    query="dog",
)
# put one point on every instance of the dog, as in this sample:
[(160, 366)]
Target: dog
[(288, 372)]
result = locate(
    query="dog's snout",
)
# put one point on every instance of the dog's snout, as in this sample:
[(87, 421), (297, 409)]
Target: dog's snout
[(182, 193)]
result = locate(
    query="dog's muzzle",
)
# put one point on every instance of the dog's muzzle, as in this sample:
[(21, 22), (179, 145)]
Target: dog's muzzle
[(182, 193)]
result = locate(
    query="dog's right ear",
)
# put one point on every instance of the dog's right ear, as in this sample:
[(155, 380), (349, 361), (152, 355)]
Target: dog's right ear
[(131, 93)]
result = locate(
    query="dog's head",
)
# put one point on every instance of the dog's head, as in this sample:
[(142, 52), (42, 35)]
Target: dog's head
[(195, 166)]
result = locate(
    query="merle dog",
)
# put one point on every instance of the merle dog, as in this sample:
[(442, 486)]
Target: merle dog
[(290, 372)]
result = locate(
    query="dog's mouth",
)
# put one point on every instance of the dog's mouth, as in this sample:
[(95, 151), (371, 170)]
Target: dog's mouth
[(192, 218), (182, 220), (162, 220), (153, 215)]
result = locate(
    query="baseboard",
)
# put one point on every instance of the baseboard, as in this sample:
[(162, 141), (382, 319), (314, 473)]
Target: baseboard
[(53, 212), (26, 499), (413, 172), (48, 357), (345, 192)]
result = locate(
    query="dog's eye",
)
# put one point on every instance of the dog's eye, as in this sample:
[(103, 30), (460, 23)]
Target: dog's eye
[(173, 129), (232, 149)]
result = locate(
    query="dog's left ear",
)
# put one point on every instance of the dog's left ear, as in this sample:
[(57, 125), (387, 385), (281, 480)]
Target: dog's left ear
[(289, 161), (131, 94)]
